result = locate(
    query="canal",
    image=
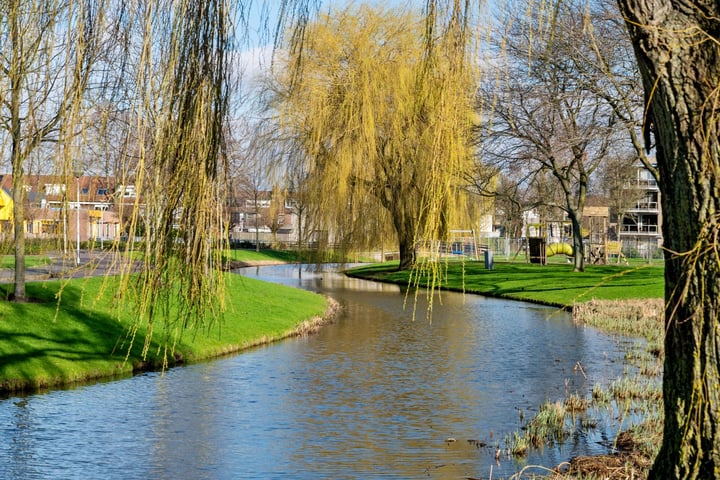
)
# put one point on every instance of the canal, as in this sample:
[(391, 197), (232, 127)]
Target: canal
[(380, 393)]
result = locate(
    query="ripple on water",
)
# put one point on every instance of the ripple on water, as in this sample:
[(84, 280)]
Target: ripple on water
[(376, 394)]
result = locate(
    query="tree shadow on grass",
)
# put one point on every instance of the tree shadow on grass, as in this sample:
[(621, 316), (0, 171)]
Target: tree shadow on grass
[(46, 343)]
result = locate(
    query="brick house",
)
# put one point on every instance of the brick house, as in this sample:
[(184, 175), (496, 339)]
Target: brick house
[(90, 201)]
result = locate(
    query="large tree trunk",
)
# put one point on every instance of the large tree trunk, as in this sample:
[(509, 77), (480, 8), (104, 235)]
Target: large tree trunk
[(405, 228), (679, 56)]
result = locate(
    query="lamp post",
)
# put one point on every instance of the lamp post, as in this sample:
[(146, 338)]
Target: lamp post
[(77, 173), (65, 226), (102, 213)]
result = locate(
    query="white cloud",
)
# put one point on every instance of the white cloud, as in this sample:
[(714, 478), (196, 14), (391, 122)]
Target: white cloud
[(255, 62)]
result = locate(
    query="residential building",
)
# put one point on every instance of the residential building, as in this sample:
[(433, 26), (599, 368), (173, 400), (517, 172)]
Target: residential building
[(640, 230), (81, 208), (264, 218)]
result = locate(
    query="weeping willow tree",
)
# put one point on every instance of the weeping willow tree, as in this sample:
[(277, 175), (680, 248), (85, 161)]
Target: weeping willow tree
[(54, 58), (379, 105)]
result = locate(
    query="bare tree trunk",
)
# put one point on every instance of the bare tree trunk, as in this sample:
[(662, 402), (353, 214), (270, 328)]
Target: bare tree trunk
[(407, 250), (578, 246), (575, 194), (18, 194), (677, 48), (15, 73)]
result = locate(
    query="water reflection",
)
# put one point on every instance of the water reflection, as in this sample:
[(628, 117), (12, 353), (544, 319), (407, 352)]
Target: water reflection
[(376, 394)]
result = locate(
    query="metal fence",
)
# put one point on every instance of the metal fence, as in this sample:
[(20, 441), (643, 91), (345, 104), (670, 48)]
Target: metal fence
[(505, 249)]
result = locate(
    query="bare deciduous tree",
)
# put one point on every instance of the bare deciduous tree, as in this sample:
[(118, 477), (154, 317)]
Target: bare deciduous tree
[(545, 118), (47, 50)]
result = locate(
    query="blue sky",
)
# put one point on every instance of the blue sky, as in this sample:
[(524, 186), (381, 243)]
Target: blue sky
[(263, 14)]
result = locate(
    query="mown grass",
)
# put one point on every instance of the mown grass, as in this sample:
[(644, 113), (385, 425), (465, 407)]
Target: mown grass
[(45, 344), (8, 261), (248, 255), (554, 284)]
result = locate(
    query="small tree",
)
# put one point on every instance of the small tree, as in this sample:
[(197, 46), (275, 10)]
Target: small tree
[(47, 50)]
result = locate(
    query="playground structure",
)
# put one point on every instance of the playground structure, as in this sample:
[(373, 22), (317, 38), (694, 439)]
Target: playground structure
[(546, 239), (462, 243), (543, 239), (459, 243)]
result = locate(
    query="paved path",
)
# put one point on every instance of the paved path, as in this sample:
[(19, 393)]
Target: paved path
[(91, 263)]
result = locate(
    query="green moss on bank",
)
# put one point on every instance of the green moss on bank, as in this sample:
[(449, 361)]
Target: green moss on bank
[(45, 345)]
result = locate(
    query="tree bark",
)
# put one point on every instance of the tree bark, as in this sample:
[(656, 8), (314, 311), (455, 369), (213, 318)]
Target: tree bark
[(405, 227), (575, 205), (676, 44), (18, 194), (578, 246), (15, 73)]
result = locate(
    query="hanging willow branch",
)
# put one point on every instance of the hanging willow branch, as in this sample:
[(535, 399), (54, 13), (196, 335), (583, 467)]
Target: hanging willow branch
[(181, 177)]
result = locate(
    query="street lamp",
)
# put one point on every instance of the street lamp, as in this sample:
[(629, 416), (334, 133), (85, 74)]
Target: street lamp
[(102, 213), (77, 172)]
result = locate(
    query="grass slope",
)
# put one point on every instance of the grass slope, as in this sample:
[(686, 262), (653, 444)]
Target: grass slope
[(247, 255), (554, 284), (44, 345)]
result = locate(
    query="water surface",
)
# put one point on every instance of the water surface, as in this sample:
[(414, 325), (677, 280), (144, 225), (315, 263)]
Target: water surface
[(377, 394)]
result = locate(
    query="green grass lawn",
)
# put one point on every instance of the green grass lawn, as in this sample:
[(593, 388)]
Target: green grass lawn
[(554, 284), (44, 345), (305, 256), (8, 261), (246, 255)]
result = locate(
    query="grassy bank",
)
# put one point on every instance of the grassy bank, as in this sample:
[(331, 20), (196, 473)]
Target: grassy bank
[(262, 256), (266, 256), (45, 345), (554, 284)]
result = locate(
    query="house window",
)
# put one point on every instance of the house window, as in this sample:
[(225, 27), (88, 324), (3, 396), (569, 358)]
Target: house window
[(127, 190), (257, 203), (49, 227), (54, 188)]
